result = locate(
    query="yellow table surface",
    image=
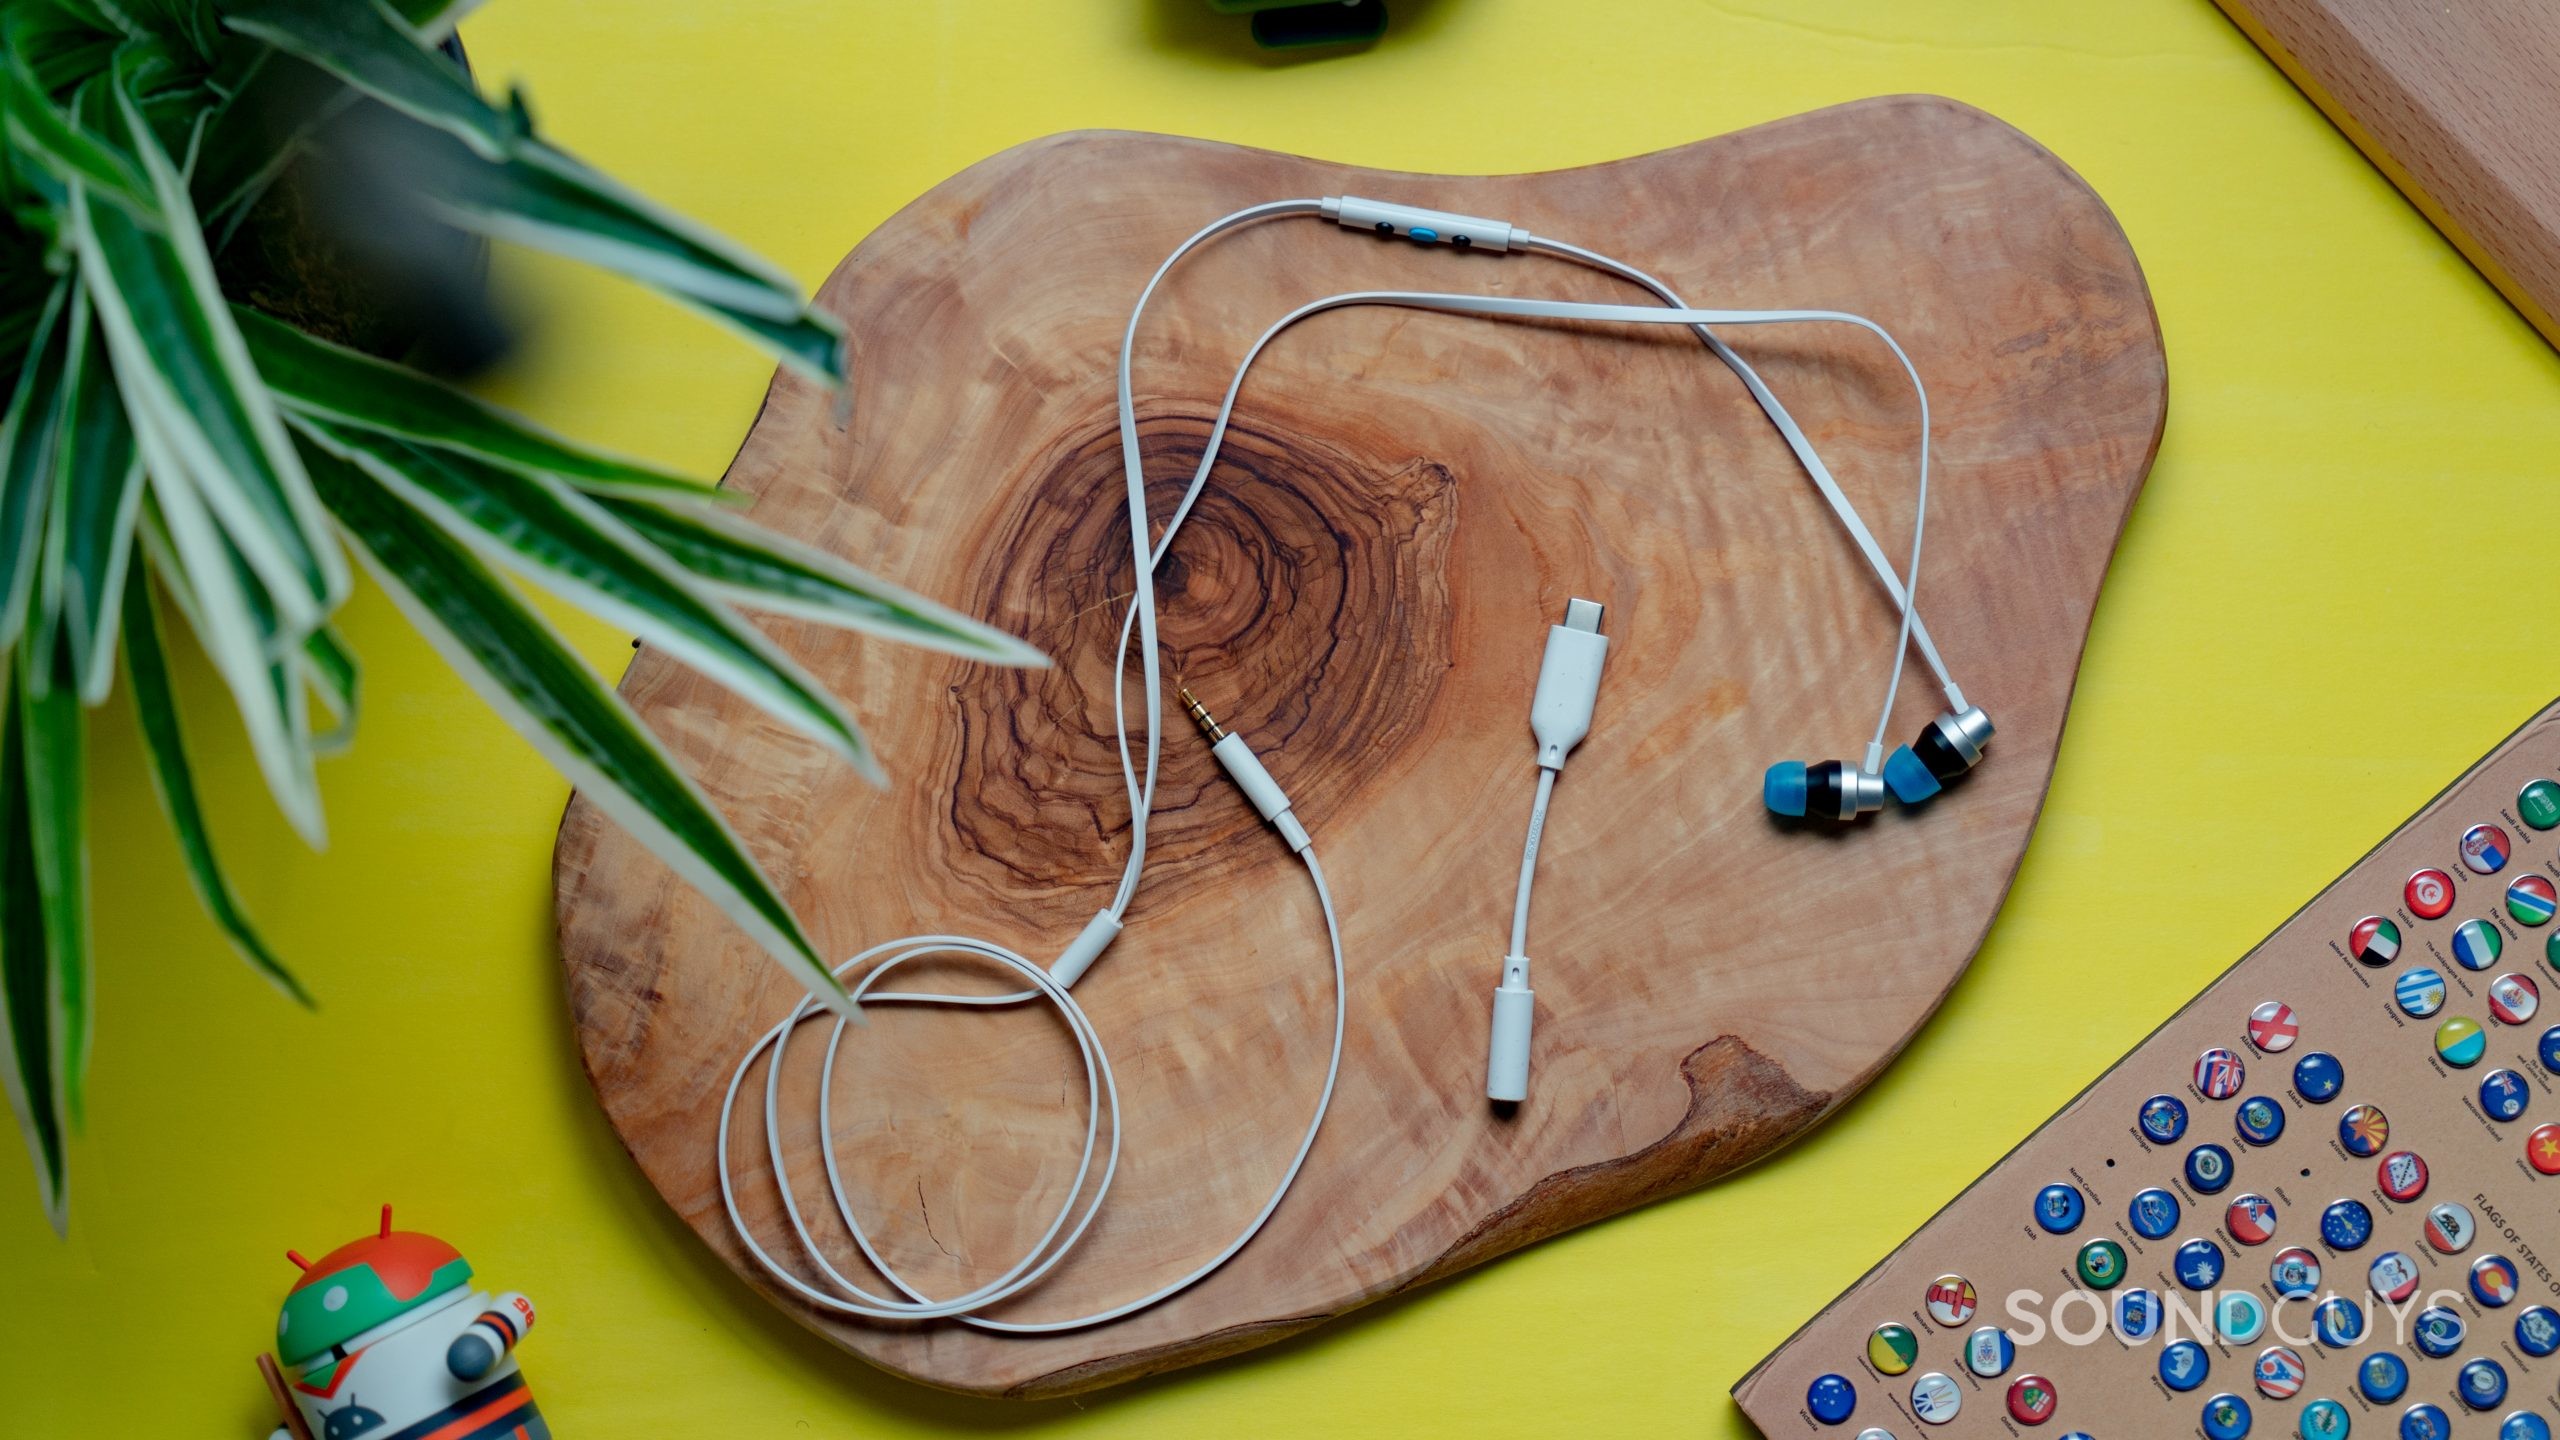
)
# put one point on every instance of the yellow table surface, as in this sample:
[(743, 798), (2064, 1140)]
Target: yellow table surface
[(2333, 596)]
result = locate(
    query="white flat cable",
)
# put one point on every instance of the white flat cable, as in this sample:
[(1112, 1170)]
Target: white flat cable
[(1072, 1221)]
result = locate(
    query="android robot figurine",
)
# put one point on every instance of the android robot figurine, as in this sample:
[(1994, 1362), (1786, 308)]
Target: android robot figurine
[(383, 1338)]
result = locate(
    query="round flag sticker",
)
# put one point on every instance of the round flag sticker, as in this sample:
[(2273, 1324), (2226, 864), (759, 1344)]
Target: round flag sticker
[(2550, 1046), (2450, 1227), (2208, 1169), (2138, 1314), (2183, 1365), (2321, 1420), (2538, 1331), (2153, 1214), (2280, 1373), (2226, 1417), (2485, 849), (2259, 1119), (1952, 1300), (2272, 1027), (2531, 900), (2437, 1332), (2364, 1130), (2318, 1077), (2493, 1281), (2382, 1377), (2419, 992), (2251, 1219), (2164, 1119), (2394, 1276), (1892, 1348), (2199, 1264), (2346, 1225), (2101, 1264), (2477, 944), (2538, 804), (2031, 1400), (2429, 893), (2513, 998), (2339, 1322), (1831, 1398), (2461, 1041), (1935, 1399), (2058, 1209), (2483, 1383), (2519, 1425), (2425, 1422), (2295, 1273), (1989, 1352), (2503, 1095), (2374, 940), (2219, 1074), (2402, 1176), (2542, 1150), (2239, 1317)]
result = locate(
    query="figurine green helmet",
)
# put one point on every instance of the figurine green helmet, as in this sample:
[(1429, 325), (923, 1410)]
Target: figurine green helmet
[(363, 1284)]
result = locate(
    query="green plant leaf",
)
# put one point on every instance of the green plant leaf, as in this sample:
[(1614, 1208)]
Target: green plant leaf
[(50, 721), (348, 389), (525, 672), (369, 46), (209, 583), (195, 402), (39, 129), (29, 1010), (761, 570), (97, 493), (28, 443), (330, 669), (155, 702), (543, 198), (559, 539)]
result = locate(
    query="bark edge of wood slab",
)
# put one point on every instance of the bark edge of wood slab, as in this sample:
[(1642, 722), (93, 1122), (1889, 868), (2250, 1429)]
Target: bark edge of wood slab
[(1405, 504)]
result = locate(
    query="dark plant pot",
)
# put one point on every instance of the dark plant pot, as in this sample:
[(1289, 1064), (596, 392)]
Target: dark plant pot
[(338, 246)]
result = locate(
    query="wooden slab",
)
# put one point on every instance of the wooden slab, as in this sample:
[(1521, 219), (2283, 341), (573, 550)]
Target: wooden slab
[(1406, 503), (2454, 104), (2343, 1005)]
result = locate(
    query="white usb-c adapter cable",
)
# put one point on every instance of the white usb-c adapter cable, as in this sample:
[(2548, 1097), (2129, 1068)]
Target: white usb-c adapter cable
[(1559, 716)]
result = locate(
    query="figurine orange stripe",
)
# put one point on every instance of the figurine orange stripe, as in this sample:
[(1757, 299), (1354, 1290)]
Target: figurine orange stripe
[(502, 1321)]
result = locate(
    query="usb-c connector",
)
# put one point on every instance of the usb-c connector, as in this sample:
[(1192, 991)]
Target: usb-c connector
[(1568, 682), (1559, 717)]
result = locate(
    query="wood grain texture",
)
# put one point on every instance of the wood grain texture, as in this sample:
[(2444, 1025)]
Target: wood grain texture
[(2454, 102), (2343, 1008), (1406, 502)]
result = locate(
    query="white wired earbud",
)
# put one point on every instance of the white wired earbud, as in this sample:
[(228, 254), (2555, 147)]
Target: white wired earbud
[(1562, 711)]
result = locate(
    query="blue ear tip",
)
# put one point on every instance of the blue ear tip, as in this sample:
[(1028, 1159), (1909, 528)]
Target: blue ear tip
[(1782, 789), (1909, 780)]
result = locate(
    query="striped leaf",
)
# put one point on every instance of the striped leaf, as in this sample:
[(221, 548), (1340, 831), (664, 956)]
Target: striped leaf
[(97, 493), (541, 198), (155, 702), (370, 47), (49, 722), (28, 1009), (40, 130), (525, 672), (29, 434), (347, 389), (191, 393), (761, 570), (567, 543)]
